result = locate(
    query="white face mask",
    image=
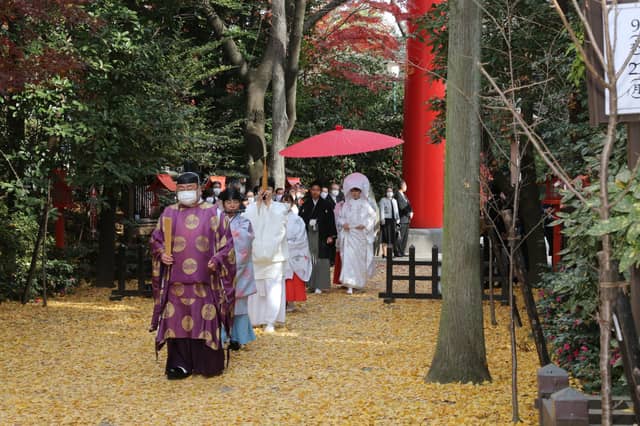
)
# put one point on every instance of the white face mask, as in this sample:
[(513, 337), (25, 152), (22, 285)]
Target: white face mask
[(250, 200), (335, 192), (210, 200), (299, 195), (278, 197), (324, 194), (217, 191), (389, 194), (188, 198)]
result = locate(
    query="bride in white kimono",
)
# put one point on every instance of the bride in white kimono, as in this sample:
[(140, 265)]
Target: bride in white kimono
[(356, 220)]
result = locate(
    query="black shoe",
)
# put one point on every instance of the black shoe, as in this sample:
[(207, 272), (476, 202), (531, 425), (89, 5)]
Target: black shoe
[(234, 346), (177, 374)]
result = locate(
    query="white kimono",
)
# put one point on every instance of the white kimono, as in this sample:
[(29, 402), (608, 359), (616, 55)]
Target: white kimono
[(269, 252), (298, 246), (356, 245)]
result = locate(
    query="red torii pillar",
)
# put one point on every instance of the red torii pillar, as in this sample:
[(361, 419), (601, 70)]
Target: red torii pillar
[(423, 161)]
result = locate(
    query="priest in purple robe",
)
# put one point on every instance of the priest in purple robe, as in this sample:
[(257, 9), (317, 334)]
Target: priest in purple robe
[(194, 284)]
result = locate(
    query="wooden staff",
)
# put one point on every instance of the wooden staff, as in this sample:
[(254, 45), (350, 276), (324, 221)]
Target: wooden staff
[(167, 231)]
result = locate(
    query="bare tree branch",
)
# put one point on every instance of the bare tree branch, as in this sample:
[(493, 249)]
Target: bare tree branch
[(230, 47), (313, 19)]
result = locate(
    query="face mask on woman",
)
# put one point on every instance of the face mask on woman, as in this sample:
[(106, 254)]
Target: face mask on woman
[(324, 195), (210, 200), (188, 198), (335, 192), (389, 194), (250, 199), (217, 191)]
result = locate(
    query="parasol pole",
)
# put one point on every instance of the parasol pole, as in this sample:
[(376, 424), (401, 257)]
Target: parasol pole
[(265, 172)]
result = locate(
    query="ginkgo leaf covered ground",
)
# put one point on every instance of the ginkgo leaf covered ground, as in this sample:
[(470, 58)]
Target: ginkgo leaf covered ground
[(343, 360)]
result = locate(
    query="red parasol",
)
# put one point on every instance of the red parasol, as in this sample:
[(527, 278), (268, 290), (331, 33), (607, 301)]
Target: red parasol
[(340, 142)]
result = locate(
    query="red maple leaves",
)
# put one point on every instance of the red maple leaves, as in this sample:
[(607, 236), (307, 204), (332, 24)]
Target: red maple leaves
[(352, 38), (31, 49)]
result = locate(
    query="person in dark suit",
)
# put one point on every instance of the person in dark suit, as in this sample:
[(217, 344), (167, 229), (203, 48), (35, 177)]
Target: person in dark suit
[(317, 214), (406, 214), (335, 195)]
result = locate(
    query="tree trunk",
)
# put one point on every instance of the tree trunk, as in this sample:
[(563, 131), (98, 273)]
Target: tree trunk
[(279, 102), (460, 352), (34, 255), (106, 264), (531, 215), (608, 275), (254, 134), (293, 62)]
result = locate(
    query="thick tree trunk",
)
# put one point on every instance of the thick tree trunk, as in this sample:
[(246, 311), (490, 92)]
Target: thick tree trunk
[(279, 103), (460, 352), (254, 132), (293, 62), (106, 264)]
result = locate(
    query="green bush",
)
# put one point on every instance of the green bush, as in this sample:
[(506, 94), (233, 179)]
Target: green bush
[(568, 299), (17, 239)]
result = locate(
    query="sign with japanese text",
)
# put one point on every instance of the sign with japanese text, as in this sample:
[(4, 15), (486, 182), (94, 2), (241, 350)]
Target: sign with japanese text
[(624, 28)]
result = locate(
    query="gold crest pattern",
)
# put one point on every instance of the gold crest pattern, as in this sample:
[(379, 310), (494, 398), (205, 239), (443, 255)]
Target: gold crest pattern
[(202, 243), (177, 289), (200, 290), (208, 312), (169, 310), (191, 221), (215, 222), (187, 301), (187, 323), (179, 244), (189, 266)]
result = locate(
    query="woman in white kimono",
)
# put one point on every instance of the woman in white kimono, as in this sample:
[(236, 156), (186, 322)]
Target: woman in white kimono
[(298, 268), (357, 221), (269, 220)]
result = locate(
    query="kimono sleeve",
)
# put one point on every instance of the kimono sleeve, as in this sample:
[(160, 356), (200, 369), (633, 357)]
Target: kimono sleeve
[(224, 258)]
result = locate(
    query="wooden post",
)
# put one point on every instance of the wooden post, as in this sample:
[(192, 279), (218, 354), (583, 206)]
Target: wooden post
[(122, 267), (434, 269), (492, 306), (140, 268), (389, 298), (412, 270)]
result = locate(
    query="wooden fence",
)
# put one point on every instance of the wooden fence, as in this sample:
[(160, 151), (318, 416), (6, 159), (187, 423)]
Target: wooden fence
[(433, 278)]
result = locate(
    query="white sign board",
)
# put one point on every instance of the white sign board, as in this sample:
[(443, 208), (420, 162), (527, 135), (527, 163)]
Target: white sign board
[(624, 28)]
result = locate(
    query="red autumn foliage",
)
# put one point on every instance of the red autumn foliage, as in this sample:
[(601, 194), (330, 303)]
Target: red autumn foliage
[(27, 53), (357, 28)]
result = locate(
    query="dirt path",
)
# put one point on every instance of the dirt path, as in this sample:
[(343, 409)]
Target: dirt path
[(343, 360)]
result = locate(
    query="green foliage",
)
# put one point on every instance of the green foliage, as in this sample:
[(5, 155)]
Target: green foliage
[(17, 238), (569, 298)]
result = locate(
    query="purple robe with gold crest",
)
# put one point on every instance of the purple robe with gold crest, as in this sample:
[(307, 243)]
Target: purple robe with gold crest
[(196, 300)]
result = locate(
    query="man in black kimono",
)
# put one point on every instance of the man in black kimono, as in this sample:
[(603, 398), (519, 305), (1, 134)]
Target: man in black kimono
[(406, 213), (317, 214)]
